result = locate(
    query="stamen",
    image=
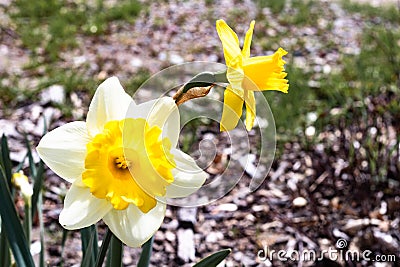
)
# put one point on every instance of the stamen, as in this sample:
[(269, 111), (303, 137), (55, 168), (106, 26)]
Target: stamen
[(122, 163)]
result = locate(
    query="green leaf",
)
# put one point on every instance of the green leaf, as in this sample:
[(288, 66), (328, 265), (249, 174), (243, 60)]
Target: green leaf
[(88, 253), (5, 163), (42, 245), (12, 226), (5, 160), (21, 164), (214, 259), (37, 186), (147, 248), (103, 250), (115, 253), (89, 245), (32, 165), (44, 125), (5, 258)]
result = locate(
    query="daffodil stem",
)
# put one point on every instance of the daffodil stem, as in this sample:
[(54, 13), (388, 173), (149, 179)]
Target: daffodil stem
[(204, 79), (116, 252), (28, 221), (220, 77)]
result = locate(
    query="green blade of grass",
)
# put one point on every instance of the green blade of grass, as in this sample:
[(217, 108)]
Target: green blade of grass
[(12, 226), (147, 248), (214, 259)]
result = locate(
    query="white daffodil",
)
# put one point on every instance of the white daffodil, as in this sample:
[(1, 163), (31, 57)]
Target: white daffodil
[(122, 163)]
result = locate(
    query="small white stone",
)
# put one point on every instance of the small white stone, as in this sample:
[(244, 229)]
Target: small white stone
[(299, 202), (54, 93), (312, 116), (227, 207), (136, 62), (176, 59), (326, 69), (310, 131)]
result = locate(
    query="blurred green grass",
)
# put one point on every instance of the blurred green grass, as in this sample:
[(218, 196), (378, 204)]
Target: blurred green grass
[(47, 28), (359, 104), (373, 72), (52, 25)]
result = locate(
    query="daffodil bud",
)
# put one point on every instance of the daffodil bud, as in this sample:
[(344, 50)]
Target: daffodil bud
[(20, 181), (194, 92)]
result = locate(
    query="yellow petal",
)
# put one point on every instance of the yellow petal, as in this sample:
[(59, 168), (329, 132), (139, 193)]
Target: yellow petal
[(230, 41), (247, 41), (232, 110), (250, 109), (133, 174), (235, 76), (266, 73)]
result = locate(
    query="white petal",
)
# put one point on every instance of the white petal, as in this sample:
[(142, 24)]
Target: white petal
[(188, 176), (134, 227), (64, 149), (162, 112), (110, 102), (82, 209)]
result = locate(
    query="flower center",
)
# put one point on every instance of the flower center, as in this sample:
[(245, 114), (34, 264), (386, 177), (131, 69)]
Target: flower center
[(122, 163), (129, 163)]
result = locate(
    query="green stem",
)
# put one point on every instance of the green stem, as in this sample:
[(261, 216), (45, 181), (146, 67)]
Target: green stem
[(204, 79), (28, 220), (116, 252), (220, 77)]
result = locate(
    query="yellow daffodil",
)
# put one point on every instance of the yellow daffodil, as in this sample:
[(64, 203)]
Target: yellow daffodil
[(247, 74), (122, 163)]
